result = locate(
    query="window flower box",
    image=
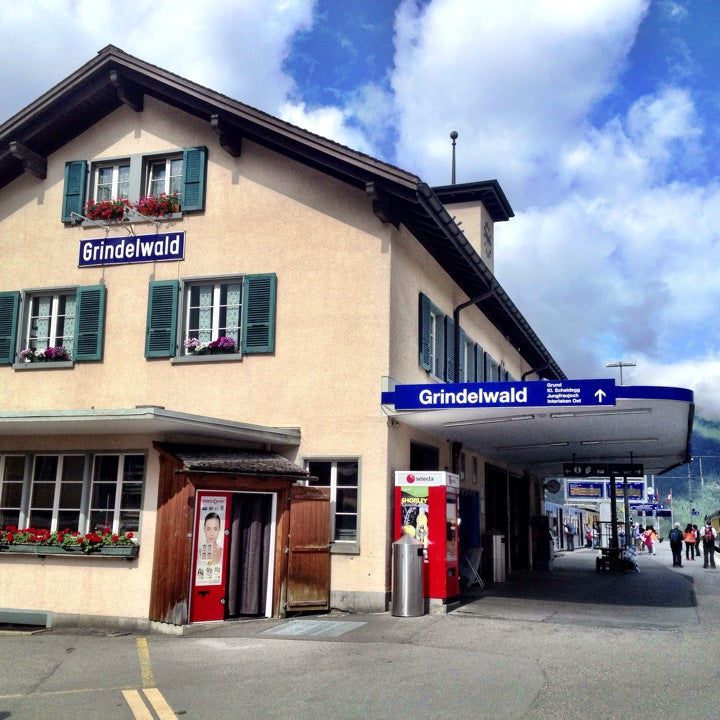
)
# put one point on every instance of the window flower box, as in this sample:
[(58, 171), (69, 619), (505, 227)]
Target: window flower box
[(47, 355), (107, 210), (43, 542), (220, 346)]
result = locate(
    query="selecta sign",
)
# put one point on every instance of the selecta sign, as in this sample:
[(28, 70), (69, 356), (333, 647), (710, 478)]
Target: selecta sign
[(426, 478), (536, 393), (126, 250)]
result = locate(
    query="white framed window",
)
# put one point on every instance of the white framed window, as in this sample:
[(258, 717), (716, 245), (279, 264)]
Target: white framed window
[(12, 472), (56, 492), (116, 492), (343, 479), (51, 320), (73, 492), (164, 175), (111, 182), (213, 309)]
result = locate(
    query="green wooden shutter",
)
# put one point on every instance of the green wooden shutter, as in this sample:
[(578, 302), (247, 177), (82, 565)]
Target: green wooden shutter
[(160, 334), (479, 364), (90, 323), (74, 193), (258, 323), (9, 305), (194, 172), (449, 349), (425, 351)]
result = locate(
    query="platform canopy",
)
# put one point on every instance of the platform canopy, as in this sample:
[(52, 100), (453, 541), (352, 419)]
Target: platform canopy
[(538, 426)]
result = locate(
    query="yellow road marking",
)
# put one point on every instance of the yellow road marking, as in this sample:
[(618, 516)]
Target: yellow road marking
[(148, 679), (74, 691), (136, 704), (159, 704)]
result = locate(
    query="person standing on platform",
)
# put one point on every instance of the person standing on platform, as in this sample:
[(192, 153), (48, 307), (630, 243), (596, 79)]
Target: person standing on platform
[(689, 539), (570, 535), (697, 540), (676, 541), (708, 537)]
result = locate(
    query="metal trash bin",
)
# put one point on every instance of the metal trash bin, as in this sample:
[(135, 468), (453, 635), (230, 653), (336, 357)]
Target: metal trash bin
[(408, 599), (494, 544)]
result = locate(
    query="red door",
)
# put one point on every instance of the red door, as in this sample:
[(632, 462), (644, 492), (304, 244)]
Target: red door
[(213, 512)]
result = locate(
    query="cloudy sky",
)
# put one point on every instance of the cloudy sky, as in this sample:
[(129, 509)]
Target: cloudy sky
[(599, 119)]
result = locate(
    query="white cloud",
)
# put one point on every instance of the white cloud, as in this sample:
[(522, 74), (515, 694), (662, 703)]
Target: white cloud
[(235, 47), (515, 79), (328, 121)]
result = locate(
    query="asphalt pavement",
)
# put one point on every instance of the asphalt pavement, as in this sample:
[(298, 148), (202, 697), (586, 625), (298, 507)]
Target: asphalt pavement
[(565, 644)]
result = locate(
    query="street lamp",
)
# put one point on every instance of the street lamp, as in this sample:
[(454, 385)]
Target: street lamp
[(620, 364)]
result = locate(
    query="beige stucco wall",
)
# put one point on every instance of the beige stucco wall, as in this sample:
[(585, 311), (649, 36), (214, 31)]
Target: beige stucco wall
[(79, 584), (471, 217), (264, 213)]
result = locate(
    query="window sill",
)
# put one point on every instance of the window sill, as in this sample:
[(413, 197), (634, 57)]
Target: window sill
[(344, 548), (52, 365), (118, 552), (192, 359), (125, 223)]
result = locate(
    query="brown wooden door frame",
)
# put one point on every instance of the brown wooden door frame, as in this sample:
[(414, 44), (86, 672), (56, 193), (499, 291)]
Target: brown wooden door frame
[(308, 544)]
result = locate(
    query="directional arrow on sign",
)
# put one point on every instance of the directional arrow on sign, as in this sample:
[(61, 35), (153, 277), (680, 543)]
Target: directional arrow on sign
[(600, 394)]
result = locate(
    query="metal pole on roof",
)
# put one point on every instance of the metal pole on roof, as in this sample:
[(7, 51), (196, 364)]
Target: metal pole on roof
[(453, 137), (620, 364)]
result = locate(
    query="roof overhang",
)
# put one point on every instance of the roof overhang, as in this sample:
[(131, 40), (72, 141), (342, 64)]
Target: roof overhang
[(648, 425), (114, 78), (154, 421)]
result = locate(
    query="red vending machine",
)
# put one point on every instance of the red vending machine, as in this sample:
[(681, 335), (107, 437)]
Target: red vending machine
[(426, 508)]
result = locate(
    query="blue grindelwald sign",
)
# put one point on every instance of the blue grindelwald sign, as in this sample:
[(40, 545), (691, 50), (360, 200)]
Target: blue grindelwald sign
[(536, 393), (137, 249)]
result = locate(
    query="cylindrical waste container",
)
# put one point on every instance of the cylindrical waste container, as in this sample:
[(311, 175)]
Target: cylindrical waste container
[(407, 578)]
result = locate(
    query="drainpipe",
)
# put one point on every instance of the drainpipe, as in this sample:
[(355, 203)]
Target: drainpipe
[(537, 370), (456, 329)]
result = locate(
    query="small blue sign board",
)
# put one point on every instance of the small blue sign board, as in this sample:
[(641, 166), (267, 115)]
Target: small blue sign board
[(537, 393), (695, 512), (138, 249), (584, 490)]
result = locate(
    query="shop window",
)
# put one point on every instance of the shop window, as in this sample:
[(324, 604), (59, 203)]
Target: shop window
[(56, 492), (343, 479), (116, 492), (12, 471), (240, 308), (73, 492)]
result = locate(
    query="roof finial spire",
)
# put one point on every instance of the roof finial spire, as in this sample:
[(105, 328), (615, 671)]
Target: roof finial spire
[(453, 137)]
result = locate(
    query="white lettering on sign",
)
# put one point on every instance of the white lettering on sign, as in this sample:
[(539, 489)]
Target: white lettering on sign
[(472, 397)]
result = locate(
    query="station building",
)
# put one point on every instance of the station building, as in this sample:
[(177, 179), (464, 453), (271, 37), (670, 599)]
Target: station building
[(335, 276)]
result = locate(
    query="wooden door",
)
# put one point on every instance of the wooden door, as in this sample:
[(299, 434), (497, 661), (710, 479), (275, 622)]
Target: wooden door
[(308, 582)]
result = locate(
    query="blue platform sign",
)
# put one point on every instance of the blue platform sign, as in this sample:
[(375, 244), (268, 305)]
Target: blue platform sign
[(163, 247), (536, 393)]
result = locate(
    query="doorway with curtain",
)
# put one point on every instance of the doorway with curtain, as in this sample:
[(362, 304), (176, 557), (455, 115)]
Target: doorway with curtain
[(250, 567)]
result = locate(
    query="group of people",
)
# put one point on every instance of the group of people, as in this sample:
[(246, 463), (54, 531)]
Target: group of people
[(691, 537), (644, 538)]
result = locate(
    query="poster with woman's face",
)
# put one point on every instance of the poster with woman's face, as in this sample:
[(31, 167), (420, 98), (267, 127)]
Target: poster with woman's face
[(210, 534)]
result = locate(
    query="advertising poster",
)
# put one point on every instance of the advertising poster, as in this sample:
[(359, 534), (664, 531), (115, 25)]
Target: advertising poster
[(211, 532), (414, 514)]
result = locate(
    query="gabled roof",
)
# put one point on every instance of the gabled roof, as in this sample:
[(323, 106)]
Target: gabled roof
[(113, 78)]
